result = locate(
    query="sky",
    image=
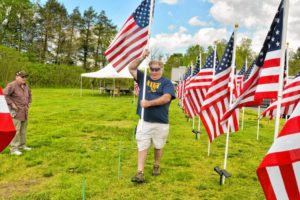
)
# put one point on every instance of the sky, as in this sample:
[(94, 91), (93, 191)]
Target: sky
[(179, 24)]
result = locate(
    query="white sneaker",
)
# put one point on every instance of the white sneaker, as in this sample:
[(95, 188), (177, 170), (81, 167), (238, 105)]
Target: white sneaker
[(26, 148), (16, 152)]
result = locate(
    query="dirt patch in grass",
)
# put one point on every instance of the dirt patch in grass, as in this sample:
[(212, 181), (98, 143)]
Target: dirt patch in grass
[(18, 187)]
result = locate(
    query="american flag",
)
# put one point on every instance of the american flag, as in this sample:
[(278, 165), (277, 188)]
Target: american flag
[(239, 79), (279, 171), (290, 99), (248, 72), (265, 58), (269, 61), (188, 106), (191, 99), (7, 129), (132, 39), (199, 85), (217, 98)]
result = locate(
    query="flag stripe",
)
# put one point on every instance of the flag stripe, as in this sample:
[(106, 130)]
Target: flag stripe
[(289, 179), (264, 179), (277, 182), (129, 56), (296, 167), (3, 105), (136, 39)]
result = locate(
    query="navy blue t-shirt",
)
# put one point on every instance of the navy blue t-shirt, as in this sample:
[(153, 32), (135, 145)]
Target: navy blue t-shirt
[(154, 90)]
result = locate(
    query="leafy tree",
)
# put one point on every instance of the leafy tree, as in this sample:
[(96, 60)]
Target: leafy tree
[(104, 32), (175, 61), (294, 62), (88, 21), (244, 52), (75, 21)]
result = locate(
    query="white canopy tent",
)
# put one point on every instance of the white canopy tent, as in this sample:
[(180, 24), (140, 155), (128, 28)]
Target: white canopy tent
[(106, 72), (109, 72)]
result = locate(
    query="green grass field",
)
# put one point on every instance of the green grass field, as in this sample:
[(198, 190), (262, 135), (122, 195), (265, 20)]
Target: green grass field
[(78, 143)]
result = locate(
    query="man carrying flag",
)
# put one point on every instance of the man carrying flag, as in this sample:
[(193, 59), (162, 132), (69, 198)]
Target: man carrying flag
[(155, 127)]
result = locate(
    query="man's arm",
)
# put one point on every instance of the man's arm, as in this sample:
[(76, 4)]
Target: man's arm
[(135, 64), (7, 94), (164, 99)]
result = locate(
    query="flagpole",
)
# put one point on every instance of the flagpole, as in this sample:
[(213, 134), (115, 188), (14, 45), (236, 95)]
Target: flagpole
[(231, 97), (287, 70), (258, 121), (145, 72), (214, 71), (200, 66), (282, 60)]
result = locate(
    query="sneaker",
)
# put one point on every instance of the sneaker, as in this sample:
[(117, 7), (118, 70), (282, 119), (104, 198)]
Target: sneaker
[(138, 178), (16, 152), (25, 148), (156, 170)]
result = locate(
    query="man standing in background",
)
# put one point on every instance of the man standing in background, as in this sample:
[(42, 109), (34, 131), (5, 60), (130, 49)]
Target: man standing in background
[(18, 98)]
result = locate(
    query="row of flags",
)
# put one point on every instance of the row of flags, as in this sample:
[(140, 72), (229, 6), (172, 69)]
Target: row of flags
[(215, 94)]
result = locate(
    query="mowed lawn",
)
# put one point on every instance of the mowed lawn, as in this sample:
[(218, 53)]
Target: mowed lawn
[(84, 147)]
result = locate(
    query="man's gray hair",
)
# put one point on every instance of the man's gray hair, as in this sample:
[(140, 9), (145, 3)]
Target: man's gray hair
[(156, 62)]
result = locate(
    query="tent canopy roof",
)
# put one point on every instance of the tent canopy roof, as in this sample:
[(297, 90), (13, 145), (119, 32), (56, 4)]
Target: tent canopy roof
[(108, 72)]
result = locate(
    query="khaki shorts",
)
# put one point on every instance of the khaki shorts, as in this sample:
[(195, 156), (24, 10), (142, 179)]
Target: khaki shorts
[(155, 133)]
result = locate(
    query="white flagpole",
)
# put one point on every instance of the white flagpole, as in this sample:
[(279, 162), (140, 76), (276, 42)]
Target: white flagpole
[(193, 123), (282, 60), (258, 122), (214, 71), (287, 69), (231, 97), (145, 72), (200, 66)]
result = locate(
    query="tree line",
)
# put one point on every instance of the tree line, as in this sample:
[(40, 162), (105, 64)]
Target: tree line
[(243, 52), (50, 37), (49, 34)]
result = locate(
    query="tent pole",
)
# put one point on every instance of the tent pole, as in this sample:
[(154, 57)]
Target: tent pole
[(114, 88), (80, 86)]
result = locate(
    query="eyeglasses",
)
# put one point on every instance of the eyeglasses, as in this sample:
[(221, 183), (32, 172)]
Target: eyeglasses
[(23, 76), (155, 69)]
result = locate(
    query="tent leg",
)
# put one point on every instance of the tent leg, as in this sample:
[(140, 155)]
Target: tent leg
[(80, 86)]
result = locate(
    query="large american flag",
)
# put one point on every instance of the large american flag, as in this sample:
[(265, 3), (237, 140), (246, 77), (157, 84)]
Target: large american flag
[(199, 85), (279, 171), (7, 129), (258, 70), (217, 98), (268, 82), (290, 99), (132, 39)]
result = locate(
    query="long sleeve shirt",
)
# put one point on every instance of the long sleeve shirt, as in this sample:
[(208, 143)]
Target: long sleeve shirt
[(20, 96)]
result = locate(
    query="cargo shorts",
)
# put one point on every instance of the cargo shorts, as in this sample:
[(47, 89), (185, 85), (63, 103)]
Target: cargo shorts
[(152, 133)]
